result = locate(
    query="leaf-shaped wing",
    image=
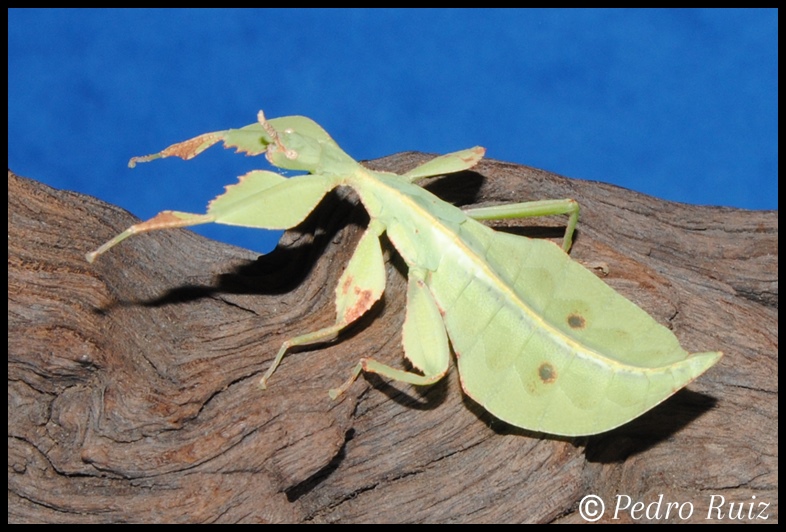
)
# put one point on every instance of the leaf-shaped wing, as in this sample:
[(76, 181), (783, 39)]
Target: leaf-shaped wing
[(544, 344)]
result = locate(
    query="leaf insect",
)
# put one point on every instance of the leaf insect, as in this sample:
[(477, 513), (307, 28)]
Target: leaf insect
[(540, 341)]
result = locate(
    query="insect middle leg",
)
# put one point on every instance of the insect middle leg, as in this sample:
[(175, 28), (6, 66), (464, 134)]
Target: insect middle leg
[(424, 337)]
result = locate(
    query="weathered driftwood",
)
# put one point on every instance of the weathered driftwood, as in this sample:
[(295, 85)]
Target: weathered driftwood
[(133, 396)]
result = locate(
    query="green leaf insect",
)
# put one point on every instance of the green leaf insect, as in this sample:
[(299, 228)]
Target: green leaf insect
[(540, 341)]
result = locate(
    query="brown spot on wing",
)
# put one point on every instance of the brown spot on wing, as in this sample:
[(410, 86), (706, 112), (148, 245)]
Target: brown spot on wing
[(547, 373), (576, 321)]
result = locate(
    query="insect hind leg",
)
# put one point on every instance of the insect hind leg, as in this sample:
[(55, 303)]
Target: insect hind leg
[(531, 209)]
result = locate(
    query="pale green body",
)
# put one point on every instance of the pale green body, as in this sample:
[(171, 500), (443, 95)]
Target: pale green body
[(541, 342)]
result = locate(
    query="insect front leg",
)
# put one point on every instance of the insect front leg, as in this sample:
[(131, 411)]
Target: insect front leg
[(424, 337), (360, 286), (532, 209)]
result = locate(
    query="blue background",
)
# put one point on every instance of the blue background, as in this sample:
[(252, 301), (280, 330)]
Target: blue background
[(680, 104)]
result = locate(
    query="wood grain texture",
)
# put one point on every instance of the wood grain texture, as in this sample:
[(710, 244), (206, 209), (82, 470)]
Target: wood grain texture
[(132, 383)]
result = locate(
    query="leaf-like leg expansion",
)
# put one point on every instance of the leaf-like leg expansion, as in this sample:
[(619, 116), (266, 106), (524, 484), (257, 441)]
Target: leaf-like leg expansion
[(270, 201), (259, 199), (530, 209), (424, 338), (447, 164), (360, 286)]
